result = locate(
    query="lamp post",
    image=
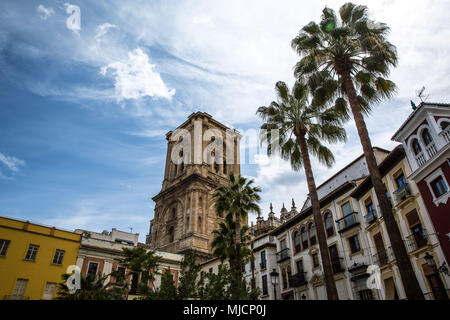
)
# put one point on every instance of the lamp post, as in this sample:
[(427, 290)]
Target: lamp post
[(436, 282), (274, 279), (430, 262)]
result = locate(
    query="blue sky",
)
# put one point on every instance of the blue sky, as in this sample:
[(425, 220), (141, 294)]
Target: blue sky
[(83, 112)]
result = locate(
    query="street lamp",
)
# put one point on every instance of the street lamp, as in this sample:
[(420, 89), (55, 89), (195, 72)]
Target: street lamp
[(274, 279), (431, 263)]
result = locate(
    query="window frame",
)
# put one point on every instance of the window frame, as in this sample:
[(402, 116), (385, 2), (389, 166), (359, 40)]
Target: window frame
[(58, 251), (350, 244), (432, 177), (325, 216), (33, 253), (4, 245)]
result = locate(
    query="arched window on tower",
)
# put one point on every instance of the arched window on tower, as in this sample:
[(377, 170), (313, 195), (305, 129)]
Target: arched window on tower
[(174, 213), (171, 234)]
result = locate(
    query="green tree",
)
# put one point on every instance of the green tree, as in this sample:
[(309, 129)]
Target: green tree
[(142, 264), (216, 286), (302, 126), (92, 288), (355, 52), (167, 289), (238, 198), (224, 240), (187, 288)]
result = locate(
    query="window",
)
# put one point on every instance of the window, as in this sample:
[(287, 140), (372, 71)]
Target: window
[(418, 233), (171, 234), (299, 264), (329, 224), (263, 260), (31, 253), (427, 137), (210, 270), (264, 285), (19, 289), (4, 244), (400, 180), (304, 239), (439, 187), (58, 258), (416, 147), (312, 234), (297, 241), (346, 209), (315, 259), (444, 124), (354, 244), (92, 268), (224, 167), (369, 207), (120, 274), (49, 291), (283, 244)]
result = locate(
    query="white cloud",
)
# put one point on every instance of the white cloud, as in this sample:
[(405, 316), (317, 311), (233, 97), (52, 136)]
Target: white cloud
[(103, 29), (44, 12), (13, 164), (135, 78)]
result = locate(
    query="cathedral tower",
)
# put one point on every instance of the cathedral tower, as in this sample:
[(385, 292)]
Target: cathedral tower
[(201, 153)]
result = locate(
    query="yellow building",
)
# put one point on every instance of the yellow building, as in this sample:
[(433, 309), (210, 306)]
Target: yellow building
[(33, 258)]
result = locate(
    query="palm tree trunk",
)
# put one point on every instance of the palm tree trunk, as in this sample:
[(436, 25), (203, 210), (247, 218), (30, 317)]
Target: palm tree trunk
[(318, 222), (238, 267), (410, 283)]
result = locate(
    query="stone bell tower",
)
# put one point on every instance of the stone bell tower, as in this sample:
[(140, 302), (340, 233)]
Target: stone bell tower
[(201, 153)]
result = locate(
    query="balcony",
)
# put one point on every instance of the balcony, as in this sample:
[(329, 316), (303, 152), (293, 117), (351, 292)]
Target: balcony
[(417, 240), (283, 255), (370, 218), (420, 159), (383, 257), (402, 193), (298, 280), (431, 149), (446, 134), (336, 265), (347, 222)]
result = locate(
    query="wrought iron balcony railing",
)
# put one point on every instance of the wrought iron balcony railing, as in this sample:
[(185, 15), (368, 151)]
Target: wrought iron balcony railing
[(298, 280), (402, 193), (383, 257), (347, 222), (417, 240), (337, 265), (370, 217), (283, 255)]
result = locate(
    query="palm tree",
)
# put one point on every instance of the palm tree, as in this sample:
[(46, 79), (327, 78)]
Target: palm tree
[(238, 198), (92, 288), (355, 53), (224, 242), (142, 264), (301, 126)]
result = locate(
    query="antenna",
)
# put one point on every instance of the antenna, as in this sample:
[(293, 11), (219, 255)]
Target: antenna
[(131, 229), (421, 96)]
